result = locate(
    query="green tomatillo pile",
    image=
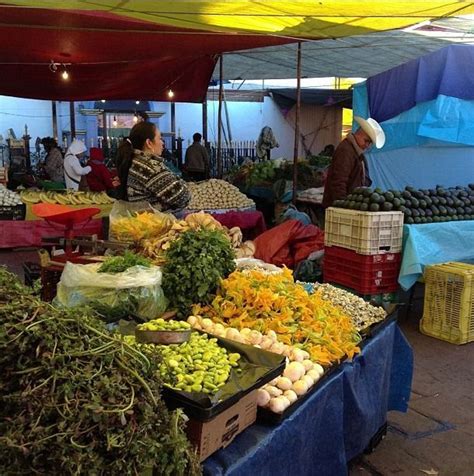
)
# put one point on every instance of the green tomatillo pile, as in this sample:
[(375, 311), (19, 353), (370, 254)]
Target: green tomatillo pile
[(75, 400)]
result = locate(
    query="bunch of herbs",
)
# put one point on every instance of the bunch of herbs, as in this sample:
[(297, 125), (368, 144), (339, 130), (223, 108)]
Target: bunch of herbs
[(76, 400), (195, 264)]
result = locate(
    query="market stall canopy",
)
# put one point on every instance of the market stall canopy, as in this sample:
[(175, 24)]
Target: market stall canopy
[(426, 108), (138, 49), (286, 97), (359, 56)]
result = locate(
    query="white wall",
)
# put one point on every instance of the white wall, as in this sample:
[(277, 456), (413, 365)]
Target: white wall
[(246, 121), (16, 112)]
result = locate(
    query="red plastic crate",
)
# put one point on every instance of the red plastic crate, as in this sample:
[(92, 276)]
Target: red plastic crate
[(366, 274)]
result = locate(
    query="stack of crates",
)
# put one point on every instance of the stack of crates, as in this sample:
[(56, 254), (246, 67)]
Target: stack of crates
[(363, 251), (448, 312)]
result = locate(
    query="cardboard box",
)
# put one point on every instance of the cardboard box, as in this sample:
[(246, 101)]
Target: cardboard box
[(210, 436)]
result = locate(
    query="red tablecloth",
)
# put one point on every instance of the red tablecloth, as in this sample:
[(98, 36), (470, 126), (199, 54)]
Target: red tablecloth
[(251, 223), (16, 234)]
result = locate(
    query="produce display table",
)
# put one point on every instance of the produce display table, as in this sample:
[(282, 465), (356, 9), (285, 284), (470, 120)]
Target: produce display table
[(251, 222), (434, 243), (337, 421), (15, 234), (104, 210)]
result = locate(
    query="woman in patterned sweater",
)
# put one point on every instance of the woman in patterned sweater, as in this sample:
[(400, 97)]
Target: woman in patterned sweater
[(143, 174)]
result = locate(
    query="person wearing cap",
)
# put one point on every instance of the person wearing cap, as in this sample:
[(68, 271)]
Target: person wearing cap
[(348, 169), (73, 170), (100, 178)]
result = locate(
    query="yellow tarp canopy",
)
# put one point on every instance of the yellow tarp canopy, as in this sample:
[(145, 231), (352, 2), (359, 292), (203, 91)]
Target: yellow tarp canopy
[(293, 19)]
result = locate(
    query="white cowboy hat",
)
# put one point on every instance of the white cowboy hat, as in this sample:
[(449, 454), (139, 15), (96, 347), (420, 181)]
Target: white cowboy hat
[(372, 128)]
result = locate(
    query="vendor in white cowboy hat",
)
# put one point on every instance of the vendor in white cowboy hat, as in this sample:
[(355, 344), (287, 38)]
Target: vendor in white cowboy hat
[(348, 169)]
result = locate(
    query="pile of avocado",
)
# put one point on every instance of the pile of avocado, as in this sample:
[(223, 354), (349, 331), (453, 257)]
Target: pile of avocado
[(419, 206)]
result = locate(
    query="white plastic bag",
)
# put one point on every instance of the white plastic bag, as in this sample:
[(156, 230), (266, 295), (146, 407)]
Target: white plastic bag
[(136, 291)]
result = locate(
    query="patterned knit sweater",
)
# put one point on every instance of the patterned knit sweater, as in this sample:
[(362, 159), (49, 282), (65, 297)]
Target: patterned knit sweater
[(150, 180)]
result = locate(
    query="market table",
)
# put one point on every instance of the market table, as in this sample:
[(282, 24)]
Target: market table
[(434, 243), (15, 234), (337, 421)]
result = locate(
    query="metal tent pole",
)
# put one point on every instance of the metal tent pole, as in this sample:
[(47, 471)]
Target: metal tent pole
[(219, 119), (297, 122)]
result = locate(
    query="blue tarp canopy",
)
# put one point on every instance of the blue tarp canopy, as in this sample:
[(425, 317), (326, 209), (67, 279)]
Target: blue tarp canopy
[(426, 108)]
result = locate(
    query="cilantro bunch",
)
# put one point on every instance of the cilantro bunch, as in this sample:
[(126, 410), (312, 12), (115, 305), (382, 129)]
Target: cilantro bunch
[(195, 264)]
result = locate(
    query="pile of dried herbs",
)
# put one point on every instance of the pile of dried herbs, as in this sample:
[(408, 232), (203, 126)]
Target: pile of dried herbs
[(75, 400), (195, 264)]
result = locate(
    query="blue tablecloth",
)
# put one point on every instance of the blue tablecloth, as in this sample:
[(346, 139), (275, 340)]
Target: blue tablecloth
[(335, 424), (434, 243)]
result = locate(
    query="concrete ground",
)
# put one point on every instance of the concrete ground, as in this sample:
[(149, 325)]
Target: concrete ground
[(436, 435)]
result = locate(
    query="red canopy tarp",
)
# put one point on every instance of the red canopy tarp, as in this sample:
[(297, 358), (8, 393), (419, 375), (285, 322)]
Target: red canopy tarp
[(111, 57)]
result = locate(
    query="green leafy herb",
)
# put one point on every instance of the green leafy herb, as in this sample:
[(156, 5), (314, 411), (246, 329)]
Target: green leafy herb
[(118, 264), (76, 400), (195, 264)]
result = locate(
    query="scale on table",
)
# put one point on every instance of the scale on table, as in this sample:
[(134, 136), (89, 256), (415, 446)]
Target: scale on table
[(71, 219)]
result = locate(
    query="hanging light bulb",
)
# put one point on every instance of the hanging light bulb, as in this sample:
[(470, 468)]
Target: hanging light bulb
[(170, 93), (137, 102), (65, 74), (114, 123), (102, 100), (135, 118)]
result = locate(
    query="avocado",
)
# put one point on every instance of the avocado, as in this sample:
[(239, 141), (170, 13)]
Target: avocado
[(374, 207), (421, 212), (375, 198), (442, 201), (359, 198), (387, 207), (389, 196), (408, 203), (415, 213), (423, 220), (442, 210), (429, 220), (410, 220), (435, 200), (460, 210), (397, 203), (418, 194), (428, 201), (435, 210), (428, 213), (407, 212), (423, 203), (364, 207), (417, 220), (449, 201), (415, 203), (436, 219)]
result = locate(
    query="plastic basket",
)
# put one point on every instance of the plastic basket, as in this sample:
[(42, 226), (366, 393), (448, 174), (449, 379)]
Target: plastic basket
[(366, 274), (367, 233), (448, 312)]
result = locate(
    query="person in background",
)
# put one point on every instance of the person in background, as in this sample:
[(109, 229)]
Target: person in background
[(73, 170), (100, 178), (196, 161), (348, 169), (328, 151), (143, 174), (54, 162)]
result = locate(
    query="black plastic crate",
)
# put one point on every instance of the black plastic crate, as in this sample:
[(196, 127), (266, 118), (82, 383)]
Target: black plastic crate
[(32, 272), (16, 212)]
